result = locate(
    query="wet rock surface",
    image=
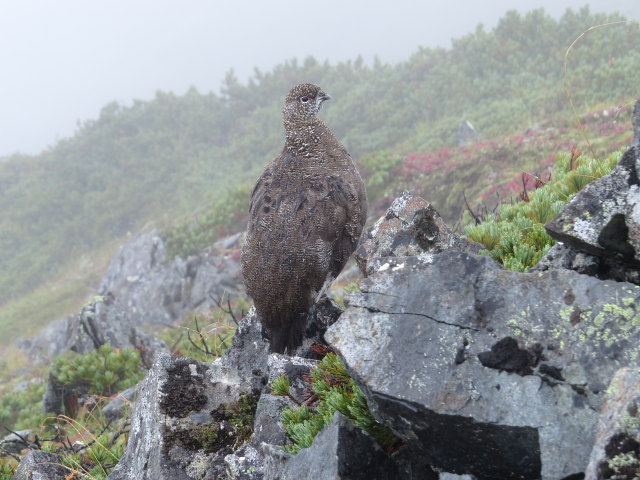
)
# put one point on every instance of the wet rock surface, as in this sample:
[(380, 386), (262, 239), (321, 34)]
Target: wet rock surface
[(411, 226), (470, 363)]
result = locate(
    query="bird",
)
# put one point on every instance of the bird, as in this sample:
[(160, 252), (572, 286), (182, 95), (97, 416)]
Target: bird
[(306, 214)]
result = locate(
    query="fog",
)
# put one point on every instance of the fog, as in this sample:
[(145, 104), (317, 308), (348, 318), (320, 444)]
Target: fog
[(63, 61)]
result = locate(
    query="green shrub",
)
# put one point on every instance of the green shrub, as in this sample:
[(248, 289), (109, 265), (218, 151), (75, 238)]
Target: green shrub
[(515, 236), (23, 409), (337, 392), (226, 215), (103, 371)]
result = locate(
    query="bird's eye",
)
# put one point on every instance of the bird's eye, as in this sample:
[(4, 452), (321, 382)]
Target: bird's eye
[(304, 99)]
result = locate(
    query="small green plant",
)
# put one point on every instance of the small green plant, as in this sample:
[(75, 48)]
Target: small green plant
[(351, 287), (281, 386), (103, 371), (7, 468), (515, 236), (336, 391), (206, 336), (23, 409)]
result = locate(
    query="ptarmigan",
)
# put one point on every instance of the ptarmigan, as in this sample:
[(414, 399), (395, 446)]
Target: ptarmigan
[(307, 212)]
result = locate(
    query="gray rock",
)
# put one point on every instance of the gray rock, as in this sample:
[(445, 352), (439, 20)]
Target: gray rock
[(635, 122), (485, 371), (411, 226), (134, 260), (101, 321), (180, 426), (15, 442), (119, 406), (37, 465), (466, 134), (340, 450), (603, 219), (157, 291), (616, 453), (250, 349), (246, 463), (267, 426)]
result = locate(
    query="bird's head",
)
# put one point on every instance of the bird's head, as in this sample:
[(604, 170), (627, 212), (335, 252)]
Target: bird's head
[(303, 102)]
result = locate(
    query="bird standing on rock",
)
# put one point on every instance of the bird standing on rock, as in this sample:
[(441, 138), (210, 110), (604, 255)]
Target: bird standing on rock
[(306, 215)]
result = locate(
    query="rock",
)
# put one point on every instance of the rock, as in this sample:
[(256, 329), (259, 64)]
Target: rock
[(15, 442), (157, 291), (103, 320), (603, 219), (134, 260), (246, 463), (188, 417), (466, 134), (635, 122), (616, 453), (38, 465), (486, 371), (250, 350), (119, 406), (411, 226), (340, 450)]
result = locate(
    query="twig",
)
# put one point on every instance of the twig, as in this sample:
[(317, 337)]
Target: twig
[(12, 455)]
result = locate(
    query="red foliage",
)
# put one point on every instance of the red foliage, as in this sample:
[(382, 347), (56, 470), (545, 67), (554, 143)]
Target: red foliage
[(427, 162)]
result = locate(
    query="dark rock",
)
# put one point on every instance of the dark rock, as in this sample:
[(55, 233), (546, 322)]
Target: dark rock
[(527, 415), (616, 453), (603, 219), (38, 465), (15, 442), (119, 406), (410, 227), (466, 134), (188, 416), (340, 450)]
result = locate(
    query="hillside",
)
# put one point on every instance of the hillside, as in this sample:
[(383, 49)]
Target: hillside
[(165, 159)]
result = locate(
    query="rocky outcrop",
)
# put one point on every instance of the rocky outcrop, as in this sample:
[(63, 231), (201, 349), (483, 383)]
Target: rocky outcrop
[(411, 226), (466, 134), (141, 288), (616, 453), (38, 465), (188, 416), (603, 219), (486, 371), (156, 290)]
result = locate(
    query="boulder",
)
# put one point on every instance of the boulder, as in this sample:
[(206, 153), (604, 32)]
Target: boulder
[(603, 219), (466, 134), (119, 406), (411, 226), (485, 371), (15, 442), (156, 290), (616, 453), (340, 450), (38, 465), (188, 417)]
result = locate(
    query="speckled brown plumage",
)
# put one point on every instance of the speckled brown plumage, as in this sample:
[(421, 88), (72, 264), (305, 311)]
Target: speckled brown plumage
[(307, 212)]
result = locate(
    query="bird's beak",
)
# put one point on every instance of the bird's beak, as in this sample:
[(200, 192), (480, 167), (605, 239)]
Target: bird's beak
[(324, 96)]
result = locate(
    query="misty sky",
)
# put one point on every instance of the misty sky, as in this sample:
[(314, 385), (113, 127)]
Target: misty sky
[(62, 61)]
